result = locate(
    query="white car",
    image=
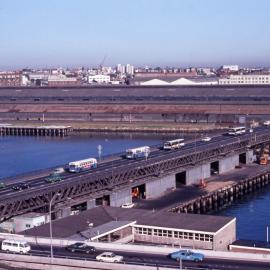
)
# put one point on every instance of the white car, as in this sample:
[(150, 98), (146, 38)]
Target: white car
[(127, 205), (266, 123), (109, 257), (206, 139)]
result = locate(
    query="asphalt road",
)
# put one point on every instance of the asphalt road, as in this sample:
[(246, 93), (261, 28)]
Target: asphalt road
[(156, 260)]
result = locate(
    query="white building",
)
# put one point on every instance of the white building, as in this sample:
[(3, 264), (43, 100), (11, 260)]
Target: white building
[(121, 69), (99, 78), (181, 81), (155, 82), (230, 67), (23, 222), (129, 69), (245, 79)]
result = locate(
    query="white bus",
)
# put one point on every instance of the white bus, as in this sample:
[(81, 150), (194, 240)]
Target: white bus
[(173, 144), (133, 153), (236, 131), (82, 165)]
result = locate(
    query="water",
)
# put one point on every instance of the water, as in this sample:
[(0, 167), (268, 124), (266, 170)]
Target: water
[(252, 215), (23, 154)]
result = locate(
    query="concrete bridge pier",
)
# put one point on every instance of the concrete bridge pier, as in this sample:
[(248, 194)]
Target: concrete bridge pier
[(119, 197), (90, 204), (196, 174), (228, 163), (158, 187)]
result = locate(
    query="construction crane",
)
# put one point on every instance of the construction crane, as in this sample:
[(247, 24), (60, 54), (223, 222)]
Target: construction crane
[(102, 62)]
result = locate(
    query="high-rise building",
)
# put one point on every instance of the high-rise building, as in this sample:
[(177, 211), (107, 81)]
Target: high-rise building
[(121, 69), (129, 69)]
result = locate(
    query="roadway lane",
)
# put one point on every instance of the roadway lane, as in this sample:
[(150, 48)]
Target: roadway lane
[(155, 259)]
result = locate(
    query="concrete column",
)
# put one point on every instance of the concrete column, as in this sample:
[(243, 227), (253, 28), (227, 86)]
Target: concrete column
[(119, 197), (195, 174), (158, 187), (228, 163), (250, 157), (91, 204), (65, 212)]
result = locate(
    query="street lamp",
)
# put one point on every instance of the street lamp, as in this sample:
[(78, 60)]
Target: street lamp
[(50, 213)]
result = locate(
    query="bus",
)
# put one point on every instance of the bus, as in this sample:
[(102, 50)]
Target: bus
[(236, 131), (82, 165), (173, 144), (134, 153)]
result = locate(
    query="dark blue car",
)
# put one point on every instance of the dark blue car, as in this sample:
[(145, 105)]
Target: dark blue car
[(187, 255)]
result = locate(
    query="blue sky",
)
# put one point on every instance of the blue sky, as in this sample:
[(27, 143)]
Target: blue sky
[(70, 33)]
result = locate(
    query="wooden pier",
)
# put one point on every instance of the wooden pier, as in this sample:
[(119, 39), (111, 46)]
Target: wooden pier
[(223, 197), (13, 130)]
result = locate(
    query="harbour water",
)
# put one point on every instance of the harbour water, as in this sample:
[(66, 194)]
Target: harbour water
[(23, 154)]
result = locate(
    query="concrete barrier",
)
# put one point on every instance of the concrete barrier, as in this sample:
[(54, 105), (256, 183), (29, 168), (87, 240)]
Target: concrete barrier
[(44, 263)]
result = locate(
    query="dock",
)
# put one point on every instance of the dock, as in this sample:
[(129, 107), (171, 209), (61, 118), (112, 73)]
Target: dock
[(27, 130)]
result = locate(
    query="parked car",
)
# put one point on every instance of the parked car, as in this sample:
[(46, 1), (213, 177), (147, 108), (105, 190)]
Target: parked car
[(187, 255), (127, 205), (266, 123), (109, 257), (206, 139), (20, 186), (81, 247)]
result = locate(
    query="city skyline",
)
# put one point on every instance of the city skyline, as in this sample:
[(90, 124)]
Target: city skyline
[(155, 33)]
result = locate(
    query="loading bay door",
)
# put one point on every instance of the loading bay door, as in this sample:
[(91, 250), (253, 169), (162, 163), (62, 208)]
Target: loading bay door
[(180, 179), (243, 158), (214, 168)]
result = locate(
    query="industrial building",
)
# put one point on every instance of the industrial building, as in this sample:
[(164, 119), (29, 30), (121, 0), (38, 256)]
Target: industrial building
[(250, 79), (10, 79), (114, 224)]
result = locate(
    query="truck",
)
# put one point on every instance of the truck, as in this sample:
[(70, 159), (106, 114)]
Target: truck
[(264, 159)]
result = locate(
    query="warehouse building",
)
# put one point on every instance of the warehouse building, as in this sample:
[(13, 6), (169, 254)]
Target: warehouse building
[(114, 224), (251, 79)]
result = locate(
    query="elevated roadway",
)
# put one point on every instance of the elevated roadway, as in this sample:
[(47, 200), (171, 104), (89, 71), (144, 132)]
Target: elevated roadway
[(119, 172)]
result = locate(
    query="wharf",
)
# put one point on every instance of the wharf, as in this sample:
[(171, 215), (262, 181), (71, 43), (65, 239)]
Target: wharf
[(27, 130), (220, 191)]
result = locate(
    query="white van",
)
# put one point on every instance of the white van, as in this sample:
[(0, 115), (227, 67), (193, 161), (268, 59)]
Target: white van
[(18, 246)]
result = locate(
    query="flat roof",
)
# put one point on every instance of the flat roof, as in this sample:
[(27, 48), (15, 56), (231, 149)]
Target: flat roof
[(103, 216)]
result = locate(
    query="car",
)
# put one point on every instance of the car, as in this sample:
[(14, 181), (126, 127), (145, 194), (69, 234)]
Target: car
[(52, 178), (20, 186), (2, 185), (81, 247), (206, 139), (109, 257), (266, 123), (187, 255), (127, 205)]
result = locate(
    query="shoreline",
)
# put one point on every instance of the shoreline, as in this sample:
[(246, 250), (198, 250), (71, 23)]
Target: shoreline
[(133, 127)]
